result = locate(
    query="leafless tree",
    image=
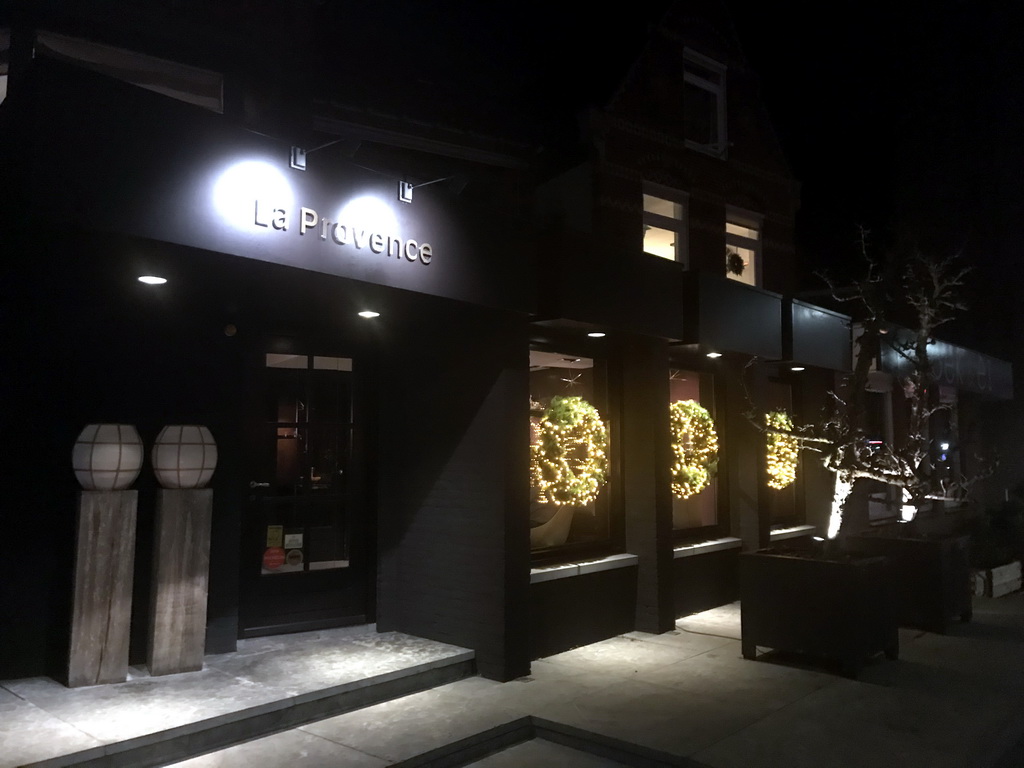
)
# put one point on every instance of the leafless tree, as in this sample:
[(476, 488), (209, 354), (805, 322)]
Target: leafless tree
[(930, 290)]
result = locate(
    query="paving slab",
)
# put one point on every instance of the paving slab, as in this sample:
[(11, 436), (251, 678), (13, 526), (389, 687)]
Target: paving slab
[(403, 728), (28, 733), (292, 748)]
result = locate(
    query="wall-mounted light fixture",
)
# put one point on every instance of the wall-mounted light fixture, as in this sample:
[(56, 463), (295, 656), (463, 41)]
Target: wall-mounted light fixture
[(796, 368), (369, 313), (298, 159), (714, 355), (152, 279), (596, 334)]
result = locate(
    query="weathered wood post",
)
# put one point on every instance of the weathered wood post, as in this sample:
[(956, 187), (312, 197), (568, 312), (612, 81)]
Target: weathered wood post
[(107, 459), (184, 458)]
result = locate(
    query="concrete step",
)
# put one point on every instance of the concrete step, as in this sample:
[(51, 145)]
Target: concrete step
[(214, 733)]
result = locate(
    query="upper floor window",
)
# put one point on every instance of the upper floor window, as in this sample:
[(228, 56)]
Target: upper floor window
[(704, 104), (743, 246), (665, 223)]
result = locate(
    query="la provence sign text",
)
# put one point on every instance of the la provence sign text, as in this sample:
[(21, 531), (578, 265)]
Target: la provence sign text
[(350, 234)]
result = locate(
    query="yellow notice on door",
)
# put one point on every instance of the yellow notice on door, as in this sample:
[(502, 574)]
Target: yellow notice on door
[(275, 535)]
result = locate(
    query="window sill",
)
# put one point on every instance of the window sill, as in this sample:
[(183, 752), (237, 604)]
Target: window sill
[(570, 570), (791, 532), (704, 547)]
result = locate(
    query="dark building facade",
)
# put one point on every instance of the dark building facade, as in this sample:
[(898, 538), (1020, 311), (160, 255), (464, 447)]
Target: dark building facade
[(381, 318)]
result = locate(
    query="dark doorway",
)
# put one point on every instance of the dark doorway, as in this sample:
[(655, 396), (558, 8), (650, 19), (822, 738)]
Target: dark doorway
[(304, 558)]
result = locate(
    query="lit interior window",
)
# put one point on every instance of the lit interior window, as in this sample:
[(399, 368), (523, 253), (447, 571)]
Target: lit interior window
[(665, 227), (743, 247)]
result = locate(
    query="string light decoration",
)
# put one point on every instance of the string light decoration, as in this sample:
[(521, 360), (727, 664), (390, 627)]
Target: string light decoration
[(694, 447), (783, 450), (569, 460)]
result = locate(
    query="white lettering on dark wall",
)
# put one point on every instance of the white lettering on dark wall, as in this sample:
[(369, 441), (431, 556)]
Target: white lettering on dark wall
[(344, 233)]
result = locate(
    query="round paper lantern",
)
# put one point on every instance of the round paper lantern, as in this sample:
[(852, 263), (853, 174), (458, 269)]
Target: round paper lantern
[(107, 457), (184, 456)]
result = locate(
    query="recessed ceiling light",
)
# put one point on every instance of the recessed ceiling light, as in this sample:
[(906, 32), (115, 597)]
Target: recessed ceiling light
[(714, 355), (369, 313), (152, 279), (796, 368), (596, 334)]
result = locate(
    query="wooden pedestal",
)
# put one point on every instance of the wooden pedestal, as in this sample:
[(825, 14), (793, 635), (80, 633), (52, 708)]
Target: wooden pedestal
[(102, 602), (181, 565)]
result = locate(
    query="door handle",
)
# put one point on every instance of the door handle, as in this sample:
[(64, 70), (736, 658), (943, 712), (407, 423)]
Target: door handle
[(254, 484)]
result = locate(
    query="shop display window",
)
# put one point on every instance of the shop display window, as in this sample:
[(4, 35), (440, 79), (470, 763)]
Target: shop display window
[(781, 495), (570, 451), (695, 452)]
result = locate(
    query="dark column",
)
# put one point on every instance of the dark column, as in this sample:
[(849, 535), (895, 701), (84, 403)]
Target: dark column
[(644, 459), (453, 478), (745, 455)]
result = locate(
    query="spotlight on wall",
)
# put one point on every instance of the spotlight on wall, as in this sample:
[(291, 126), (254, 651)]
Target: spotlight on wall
[(596, 334), (152, 279), (714, 355), (368, 313)]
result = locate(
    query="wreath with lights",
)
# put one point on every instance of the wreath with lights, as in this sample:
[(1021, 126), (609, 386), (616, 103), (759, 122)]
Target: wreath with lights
[(734, 263), (783, 449), (694, 447), (569, 460)]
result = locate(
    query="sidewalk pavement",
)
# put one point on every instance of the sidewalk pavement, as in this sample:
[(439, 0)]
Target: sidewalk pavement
[(688, 698)]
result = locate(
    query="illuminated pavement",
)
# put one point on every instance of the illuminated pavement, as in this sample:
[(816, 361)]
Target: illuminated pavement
[(684, 698)]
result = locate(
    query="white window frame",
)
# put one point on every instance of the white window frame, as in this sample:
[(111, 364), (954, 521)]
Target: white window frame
[(720, 147), (678, 224), (750, 220)]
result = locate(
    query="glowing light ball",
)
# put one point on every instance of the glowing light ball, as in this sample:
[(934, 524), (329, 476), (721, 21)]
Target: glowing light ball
[(107, 457), (184, 456)]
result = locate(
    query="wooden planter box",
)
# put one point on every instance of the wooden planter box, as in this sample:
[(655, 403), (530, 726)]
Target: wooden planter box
[(998, 581), (838, 609), (931, 576)]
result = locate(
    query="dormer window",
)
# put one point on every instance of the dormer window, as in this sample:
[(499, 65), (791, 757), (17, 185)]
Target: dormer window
[(665, 223), (704, 104)]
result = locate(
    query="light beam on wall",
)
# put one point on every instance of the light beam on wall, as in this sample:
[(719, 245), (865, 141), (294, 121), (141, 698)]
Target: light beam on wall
[(371, 214), (237, 188)]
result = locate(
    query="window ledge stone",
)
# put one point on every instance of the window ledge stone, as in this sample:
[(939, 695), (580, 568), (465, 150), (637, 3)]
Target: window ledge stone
[(791, 532), (704, 547), (570, 570)]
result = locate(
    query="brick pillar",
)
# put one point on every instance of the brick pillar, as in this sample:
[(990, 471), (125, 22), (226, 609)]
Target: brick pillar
[(644, 457)]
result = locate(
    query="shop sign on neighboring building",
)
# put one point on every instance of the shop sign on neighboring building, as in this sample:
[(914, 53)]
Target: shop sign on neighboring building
[(955, 366)]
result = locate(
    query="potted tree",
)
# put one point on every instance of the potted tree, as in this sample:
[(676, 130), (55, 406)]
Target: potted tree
[(878, 579), (997, 546)]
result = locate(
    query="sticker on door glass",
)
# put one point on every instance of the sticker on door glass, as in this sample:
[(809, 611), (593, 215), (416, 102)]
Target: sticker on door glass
[(275, 535), (279, 560), (273, 559), (293, 541)]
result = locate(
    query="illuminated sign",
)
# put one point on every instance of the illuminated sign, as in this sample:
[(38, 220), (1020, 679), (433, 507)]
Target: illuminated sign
[(348, 232)]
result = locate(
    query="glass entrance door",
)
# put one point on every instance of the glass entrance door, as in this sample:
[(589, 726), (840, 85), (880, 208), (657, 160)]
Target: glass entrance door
[(303, 564)]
